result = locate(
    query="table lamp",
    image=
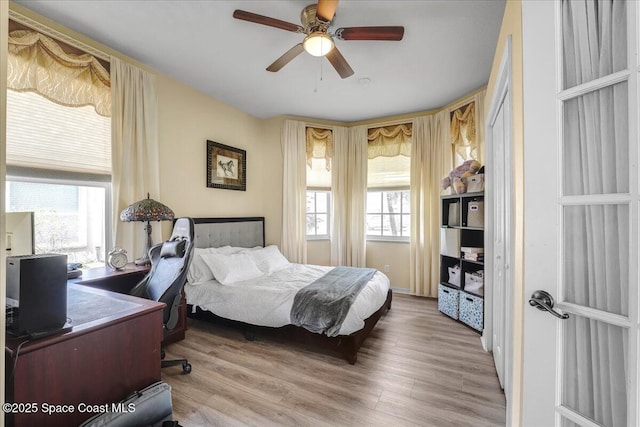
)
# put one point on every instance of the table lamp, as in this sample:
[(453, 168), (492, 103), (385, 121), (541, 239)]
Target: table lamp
[(146, 210)]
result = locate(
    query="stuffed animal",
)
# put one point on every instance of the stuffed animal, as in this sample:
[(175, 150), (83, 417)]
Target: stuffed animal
[(456, 178)]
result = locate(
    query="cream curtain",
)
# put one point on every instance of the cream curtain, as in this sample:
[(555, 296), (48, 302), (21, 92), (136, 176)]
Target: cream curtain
[(430, 158), (340, 241), (389, 141), (319, 145), (37, 63), (135, 157), (294, 192), (356, 252), (481, 118), (463, 131)]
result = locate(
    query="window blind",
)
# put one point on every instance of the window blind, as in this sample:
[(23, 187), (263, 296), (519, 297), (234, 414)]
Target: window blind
[(44, 135), (318, 177), (389, 172)]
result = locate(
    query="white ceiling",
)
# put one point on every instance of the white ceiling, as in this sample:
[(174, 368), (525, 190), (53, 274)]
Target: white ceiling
[(447, 51)]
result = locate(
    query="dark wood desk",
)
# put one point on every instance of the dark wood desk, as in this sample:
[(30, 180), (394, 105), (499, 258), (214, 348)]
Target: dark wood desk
[(123, 281), (112, 350)]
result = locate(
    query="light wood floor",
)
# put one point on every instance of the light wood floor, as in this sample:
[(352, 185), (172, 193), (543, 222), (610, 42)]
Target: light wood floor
[(417, 368)]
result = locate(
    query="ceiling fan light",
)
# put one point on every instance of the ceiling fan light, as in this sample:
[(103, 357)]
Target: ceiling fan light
[(318, 44)]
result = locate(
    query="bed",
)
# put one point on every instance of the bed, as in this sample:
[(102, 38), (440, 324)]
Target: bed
[(264, 303)]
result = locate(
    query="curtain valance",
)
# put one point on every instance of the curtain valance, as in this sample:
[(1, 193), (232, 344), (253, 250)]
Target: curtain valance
[(389, 141), (463, 129), (37, 63), (319, 145)]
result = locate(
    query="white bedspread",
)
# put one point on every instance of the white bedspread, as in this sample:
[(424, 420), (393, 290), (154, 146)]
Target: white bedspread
[(267, 300)]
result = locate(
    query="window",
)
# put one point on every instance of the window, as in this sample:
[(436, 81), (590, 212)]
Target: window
[(59, 166), (319, 153), (68, 218), (318, 208), (388, 178), (388, 214)]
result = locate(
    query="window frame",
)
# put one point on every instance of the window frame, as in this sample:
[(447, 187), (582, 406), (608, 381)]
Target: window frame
[(315, 213), (382, 238), (46, 176)]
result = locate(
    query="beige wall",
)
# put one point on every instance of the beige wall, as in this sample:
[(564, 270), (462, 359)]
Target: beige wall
[(396, 256), (379, 254), (272, 160), (187, 119), (512, 26)]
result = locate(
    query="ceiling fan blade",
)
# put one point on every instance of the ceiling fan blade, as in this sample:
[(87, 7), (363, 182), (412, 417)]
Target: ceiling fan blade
[(326, 9), (286, 58), (265, 20), (339, 63), (370, 33)]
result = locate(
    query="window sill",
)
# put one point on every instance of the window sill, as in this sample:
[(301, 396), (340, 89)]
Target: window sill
[(380, 239), (318, 238)]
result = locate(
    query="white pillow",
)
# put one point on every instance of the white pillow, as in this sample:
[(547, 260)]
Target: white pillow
[(198, 271), (228, 269), (228, 250), (269, 259)]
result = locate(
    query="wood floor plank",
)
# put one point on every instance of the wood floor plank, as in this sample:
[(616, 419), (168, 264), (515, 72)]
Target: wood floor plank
[(417, 368)]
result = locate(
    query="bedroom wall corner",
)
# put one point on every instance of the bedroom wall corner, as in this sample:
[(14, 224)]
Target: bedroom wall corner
[(272, 163), (187, 119)]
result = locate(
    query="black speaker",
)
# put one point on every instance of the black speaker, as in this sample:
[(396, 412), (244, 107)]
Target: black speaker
[(36, 294)]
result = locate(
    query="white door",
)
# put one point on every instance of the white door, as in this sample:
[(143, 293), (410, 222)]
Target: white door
[(497, 232), (580, 73)]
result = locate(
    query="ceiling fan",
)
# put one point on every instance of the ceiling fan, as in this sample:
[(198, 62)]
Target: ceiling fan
[(316, 24)]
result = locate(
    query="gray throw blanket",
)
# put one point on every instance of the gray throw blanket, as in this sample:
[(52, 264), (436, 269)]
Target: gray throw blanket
[(322, 306)]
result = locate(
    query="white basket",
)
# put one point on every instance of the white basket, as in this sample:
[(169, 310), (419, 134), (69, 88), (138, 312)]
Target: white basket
[(454, 276), (475, 183), (473, 283)]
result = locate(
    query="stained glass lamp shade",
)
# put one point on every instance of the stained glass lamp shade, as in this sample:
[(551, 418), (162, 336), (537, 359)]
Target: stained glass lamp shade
[(146, 210)]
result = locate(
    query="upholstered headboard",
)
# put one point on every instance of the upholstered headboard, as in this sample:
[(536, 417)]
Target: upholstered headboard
[(245, 232)]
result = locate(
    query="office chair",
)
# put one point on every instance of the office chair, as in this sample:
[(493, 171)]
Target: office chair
[(169, 265)]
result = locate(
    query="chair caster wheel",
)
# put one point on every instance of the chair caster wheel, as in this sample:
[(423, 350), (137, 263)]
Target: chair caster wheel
[(186, 368), (162, 354)]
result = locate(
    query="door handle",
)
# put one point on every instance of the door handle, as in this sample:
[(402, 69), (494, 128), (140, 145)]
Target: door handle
[(542, 300)]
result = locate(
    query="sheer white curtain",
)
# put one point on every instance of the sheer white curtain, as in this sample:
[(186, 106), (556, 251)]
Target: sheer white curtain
[(134, 150), (356, 252), (340, 197), (430, 159), (294, 192), (480, 124), (596, 236)]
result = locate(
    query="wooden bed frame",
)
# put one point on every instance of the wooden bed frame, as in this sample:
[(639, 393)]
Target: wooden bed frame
[(249, 232)]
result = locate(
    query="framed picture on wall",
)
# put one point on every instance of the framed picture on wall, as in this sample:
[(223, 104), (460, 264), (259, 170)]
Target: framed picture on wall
[(226, 167)]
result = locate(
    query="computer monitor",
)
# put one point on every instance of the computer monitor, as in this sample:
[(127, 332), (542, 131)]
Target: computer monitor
[(20, 233)]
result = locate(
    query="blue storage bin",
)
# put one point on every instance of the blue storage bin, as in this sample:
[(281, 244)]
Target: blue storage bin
[(448, 300), (471, 310)]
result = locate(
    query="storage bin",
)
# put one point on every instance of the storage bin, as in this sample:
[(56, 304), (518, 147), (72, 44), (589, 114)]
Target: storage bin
[(453, 219), (454, 276), (448, 299), (450, 242), (475, 183), (471, 310), (475, 214), (474, 282)]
